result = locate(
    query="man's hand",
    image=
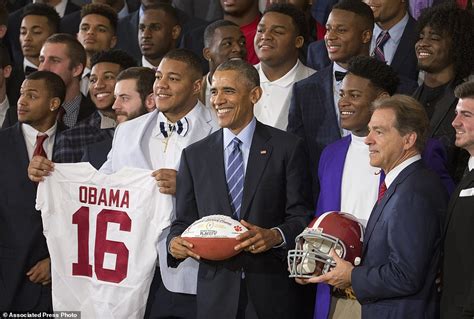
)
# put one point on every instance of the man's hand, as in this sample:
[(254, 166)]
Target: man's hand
[(181, 249), (258, 240), (39, 167), (339, 276), (166, 180), (41, 272)]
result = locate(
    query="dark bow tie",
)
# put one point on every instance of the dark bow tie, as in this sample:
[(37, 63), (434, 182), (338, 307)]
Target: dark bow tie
[(339, 75), (181, 127), (29, 70)]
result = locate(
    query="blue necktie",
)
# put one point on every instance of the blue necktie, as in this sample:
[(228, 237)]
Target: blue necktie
[(235, 177)]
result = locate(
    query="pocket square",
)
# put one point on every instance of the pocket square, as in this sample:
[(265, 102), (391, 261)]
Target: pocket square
[(467, 192)]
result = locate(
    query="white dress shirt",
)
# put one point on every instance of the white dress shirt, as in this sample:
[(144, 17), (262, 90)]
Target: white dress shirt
[(470, 164), (147, 64), (85, 81), (30, 133), (390, 177), (274, 105)]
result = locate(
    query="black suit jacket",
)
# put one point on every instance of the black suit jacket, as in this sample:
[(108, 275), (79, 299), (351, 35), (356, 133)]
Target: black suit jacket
[(14, 24), (276, 194), (457, 299), (14, 82), (442, 129), (11, 117), (22, 243)]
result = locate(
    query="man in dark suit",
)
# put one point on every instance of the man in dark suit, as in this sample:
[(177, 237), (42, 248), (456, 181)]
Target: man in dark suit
[(65, 56), (24, 258), (274, 202), (445, 52), (457, 299), (399, 49), (7, 113), (14, 22), (402, 240), (313, 113)]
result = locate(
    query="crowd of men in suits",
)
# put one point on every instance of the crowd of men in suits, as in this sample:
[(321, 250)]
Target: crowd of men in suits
[(237, 113)]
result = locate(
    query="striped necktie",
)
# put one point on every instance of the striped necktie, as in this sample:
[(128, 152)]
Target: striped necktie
[(235, 177), (181, 127), (383, 37)]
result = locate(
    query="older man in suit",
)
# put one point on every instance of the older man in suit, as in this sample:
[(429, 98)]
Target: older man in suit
[(24, 258), (313, 113), (457, 300), (271, 198), (402, 241)]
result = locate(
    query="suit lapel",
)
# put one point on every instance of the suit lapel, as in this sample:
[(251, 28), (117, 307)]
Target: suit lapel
[(260, 152), (405, 45), (442, 108), (464, 182), (378, 208)]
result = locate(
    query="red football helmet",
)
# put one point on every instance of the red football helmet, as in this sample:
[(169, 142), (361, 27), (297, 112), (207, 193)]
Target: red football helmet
[(337, 230)]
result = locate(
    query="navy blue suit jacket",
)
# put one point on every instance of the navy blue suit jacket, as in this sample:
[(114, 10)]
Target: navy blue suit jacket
[(276, 194), (313, 117), (401, 251), (22, 243), (96, 154)]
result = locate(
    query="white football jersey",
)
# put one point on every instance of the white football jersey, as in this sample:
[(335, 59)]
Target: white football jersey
[(102, 232)]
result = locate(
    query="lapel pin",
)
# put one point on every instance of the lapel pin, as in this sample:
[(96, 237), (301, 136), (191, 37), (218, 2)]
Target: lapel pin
[(263, 152)]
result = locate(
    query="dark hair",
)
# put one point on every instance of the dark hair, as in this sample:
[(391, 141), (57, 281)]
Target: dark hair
[(75, 50), (297, 16), (188, 57), (3, 14), (4, 56), (458, 24), (246, 70), (43, 10), (381, 75), (102, 10), (359, 8), (410, 116), (145, 78), (119, 57), (211, 30), (169, 10), (54, 83), (465, 90)]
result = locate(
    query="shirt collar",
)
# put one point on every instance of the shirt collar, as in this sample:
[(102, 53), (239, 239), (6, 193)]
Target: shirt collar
[(30, 132), (470, 164), (395, 32), (147, 64), (106, 122), (86, 72), (61, 8), (124, 12), (26, 63), (390, 177), (286, 80), (245, 136)]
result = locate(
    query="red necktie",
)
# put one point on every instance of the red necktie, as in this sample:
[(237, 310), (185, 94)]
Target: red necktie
[(382, 189), (39, 150)]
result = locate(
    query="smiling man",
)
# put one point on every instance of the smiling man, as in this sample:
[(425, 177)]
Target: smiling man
[(280, 35), (445, 51), (313, 113), (271, 197), (99, 125), (396, 278)]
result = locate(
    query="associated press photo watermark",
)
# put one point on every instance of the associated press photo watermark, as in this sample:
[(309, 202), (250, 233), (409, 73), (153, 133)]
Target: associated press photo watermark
[(40, 314)]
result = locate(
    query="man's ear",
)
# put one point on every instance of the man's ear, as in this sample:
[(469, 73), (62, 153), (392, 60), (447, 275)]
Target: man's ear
[(255, 94), (7, 71), (150, 102), (409, 140), (3, 31)]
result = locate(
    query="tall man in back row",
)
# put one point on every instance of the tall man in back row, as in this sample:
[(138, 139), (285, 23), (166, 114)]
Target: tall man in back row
[(271, 198)]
